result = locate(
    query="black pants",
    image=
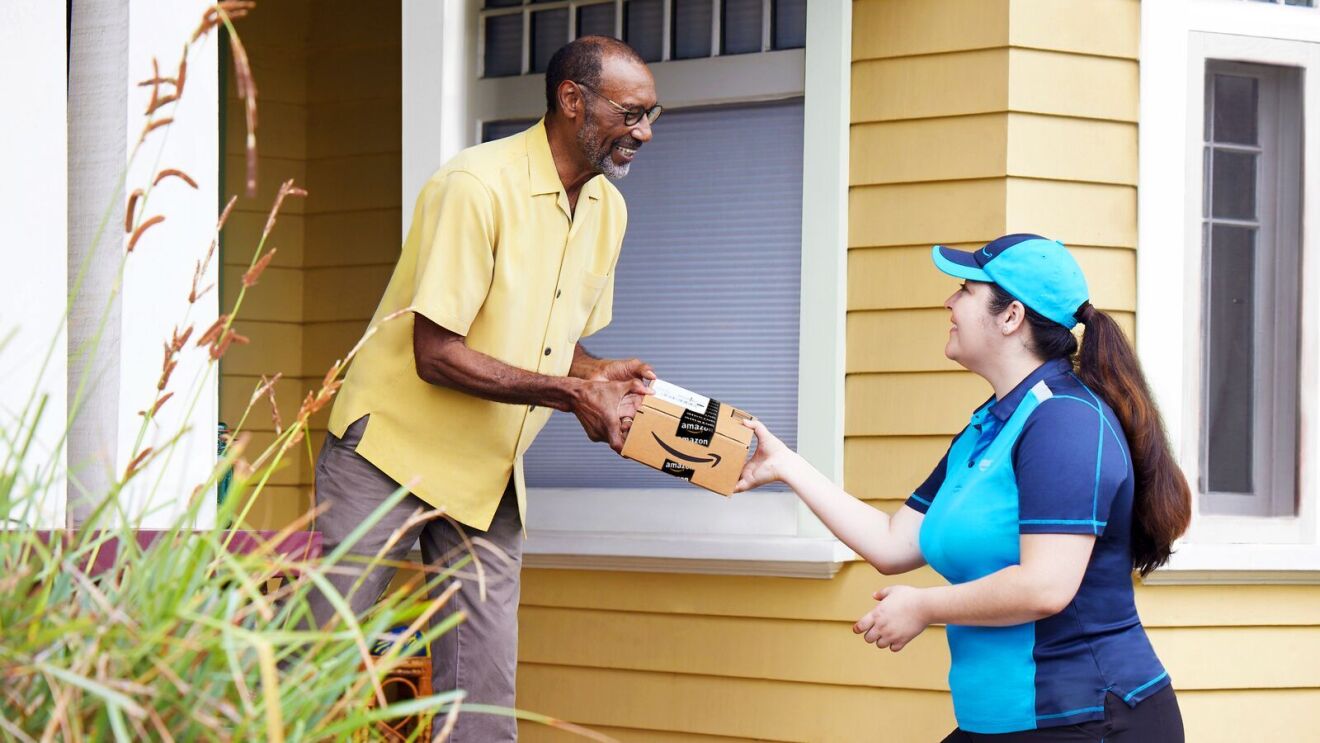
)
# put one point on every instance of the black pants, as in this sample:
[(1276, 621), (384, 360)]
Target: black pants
[(1155, 720)]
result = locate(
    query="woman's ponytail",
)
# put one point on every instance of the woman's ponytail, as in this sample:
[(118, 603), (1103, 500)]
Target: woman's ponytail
[(1162, 505), (1162, 502)]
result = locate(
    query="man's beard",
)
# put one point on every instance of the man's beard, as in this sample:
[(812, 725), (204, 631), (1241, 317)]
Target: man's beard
[(601, 156)]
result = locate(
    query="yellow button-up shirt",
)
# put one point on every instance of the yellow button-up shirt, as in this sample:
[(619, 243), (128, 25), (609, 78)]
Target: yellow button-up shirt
[(493, 254)]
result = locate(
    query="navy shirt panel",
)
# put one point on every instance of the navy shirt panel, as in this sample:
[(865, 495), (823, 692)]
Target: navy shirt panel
[(1071, 463)]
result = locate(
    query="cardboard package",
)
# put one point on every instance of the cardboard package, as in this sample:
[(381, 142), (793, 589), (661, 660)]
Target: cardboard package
[(686, 435)]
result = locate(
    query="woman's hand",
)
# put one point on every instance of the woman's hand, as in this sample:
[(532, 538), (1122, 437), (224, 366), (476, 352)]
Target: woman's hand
[(767, 465), (899, 617)]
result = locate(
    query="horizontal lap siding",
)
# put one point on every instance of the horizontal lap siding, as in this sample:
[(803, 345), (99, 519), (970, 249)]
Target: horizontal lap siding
[(354, 149), (330, 115), (271, 312)]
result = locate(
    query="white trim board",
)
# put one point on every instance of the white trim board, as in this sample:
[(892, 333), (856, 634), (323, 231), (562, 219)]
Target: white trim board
[(159, 272), (1176, 36)]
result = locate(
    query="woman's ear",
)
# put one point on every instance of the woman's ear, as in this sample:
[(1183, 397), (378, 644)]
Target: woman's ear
[(1012, 318)]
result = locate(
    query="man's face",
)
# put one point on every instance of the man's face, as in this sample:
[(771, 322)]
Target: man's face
[(605, 140)]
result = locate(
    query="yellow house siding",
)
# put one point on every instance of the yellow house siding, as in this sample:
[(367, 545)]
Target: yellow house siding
[(330, 92), (354, 91), (271, 314)]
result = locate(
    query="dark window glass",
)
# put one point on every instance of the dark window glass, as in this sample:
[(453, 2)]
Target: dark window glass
[(1233, 184), (596, 20), (644, 27), (740, 26), (789, 24), (1234, 104), (504, 45), (549, 32), (691, 28), (1230, 373)]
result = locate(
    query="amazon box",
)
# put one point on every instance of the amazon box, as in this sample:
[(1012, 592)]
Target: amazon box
[(689, 436)]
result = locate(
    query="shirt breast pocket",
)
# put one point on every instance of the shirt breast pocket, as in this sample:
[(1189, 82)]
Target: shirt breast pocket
[(592, 285)]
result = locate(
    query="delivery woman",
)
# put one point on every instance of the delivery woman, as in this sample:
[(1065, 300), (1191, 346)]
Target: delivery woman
[(1059, 487)]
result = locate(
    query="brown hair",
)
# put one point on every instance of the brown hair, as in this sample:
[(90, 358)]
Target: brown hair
[(1106, 363)]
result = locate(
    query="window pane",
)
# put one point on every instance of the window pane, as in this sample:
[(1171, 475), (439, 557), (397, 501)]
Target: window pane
[(1233, 190), (503, 3), (708, 285), (504, 45), (596, 20), (549, 32), (501, 129), (1230, 361), (740, 26), (1235, 109), (692, 28), (790, 24), (644, 27)]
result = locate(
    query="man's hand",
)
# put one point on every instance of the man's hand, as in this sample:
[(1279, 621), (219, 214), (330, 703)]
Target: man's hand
[(606, 409), (621, 370), (588, 367)]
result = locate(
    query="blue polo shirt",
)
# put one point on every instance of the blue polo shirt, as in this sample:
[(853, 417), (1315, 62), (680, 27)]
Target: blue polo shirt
[(1049, 458)]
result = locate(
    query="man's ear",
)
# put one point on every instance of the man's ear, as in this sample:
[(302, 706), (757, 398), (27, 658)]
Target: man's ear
[(571, 102)]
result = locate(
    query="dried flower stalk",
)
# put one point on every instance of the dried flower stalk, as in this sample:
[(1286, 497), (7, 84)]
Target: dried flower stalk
[(133, 466), (137, 234), (153, 126), (130, 211), (155, 408), (174, 173), (252, 274)]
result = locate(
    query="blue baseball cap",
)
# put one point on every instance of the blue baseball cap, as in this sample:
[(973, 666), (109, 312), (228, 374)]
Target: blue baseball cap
[(1038, 272)]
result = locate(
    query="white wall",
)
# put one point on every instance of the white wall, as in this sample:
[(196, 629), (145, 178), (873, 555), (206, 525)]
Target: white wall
[(33, 205), (160, 270)]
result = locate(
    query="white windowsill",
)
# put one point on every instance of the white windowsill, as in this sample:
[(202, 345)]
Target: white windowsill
[(678, 530), (781, 556), (1239, 564)]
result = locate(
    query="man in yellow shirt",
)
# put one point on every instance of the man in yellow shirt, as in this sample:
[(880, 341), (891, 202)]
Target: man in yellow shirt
[(508, 264)]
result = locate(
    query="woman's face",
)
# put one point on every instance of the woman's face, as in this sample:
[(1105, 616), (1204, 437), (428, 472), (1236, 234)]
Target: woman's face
[(974, 330)]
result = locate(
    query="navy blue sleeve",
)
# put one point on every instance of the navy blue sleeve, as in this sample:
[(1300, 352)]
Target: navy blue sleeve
[(1070, 462), (921, 498)]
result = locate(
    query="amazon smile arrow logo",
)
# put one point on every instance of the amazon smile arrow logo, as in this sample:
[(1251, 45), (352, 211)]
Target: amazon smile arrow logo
[(714, 459)]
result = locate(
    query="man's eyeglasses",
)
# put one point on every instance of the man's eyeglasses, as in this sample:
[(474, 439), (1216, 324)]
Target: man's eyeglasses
[(631, 116)]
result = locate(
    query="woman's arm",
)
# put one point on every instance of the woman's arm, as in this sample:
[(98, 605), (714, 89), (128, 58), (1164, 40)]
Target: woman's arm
[(1051, 570), (888, 544), (1042, 586)]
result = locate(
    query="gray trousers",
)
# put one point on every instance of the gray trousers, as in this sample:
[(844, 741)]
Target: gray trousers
[(480, 654)]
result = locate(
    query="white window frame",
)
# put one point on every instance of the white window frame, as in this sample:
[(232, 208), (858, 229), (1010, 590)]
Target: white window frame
[(152, 302), (1177, 37), (1278, 188), (679, 530)]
